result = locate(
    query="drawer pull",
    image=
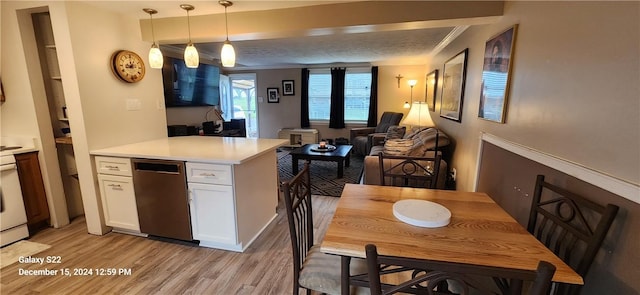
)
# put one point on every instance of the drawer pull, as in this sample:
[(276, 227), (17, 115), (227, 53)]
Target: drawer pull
[(115, 186), (208, 174), (112, 168)]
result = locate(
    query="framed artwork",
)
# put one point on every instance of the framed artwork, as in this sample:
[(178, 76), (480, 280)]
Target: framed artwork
[(496, 71), (453, 78), (287, 87), (430, 89), (272, 95)]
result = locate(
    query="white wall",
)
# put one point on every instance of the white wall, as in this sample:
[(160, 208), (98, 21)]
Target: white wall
[(574, 88)]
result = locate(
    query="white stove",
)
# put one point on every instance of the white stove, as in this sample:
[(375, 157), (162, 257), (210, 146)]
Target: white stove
[(13, 218)]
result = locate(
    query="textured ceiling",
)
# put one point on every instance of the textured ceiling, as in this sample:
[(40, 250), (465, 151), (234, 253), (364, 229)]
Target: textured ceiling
[(394, 47)]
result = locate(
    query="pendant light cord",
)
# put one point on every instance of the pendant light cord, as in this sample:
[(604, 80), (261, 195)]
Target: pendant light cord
[(153, 34), (189, 26), (226, 22)]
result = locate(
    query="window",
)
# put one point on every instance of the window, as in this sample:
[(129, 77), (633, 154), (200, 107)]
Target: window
[(357, 90)]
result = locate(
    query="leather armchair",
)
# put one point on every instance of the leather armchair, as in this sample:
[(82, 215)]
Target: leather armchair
[(359, 137)]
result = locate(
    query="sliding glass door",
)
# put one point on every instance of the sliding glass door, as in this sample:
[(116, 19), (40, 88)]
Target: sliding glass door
[(240, 103)]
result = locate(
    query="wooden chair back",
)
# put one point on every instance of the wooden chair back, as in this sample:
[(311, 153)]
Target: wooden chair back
[(409, 171), (434, 277), (297, 199), (570, 225)]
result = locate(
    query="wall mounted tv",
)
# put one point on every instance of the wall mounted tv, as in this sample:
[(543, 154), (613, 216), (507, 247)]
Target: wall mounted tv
[(187, 87)]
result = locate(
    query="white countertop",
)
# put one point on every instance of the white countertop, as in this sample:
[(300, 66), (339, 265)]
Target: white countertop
[(26, 144), (204, 149)]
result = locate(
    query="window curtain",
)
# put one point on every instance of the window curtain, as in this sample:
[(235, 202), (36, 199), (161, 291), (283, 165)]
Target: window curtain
[(336, 115), (304, 104), (372, 120)]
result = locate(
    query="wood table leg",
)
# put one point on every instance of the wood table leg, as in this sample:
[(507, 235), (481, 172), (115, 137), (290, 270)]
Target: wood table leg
[(345, 261), (340, 169)]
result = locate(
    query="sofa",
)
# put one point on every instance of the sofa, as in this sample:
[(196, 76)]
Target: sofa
[(359, 137), (421, 143)]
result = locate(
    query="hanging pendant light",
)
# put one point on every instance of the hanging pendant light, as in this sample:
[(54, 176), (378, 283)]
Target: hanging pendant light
[(155, 55), (191, 57), (227, 54)]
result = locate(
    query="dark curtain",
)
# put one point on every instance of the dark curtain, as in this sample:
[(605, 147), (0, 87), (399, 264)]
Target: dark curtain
[(304, 104), (372, 120), (336, 116)]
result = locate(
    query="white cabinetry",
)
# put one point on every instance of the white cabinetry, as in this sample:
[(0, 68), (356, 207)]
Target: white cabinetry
[(231, 204), (212, 205), (117, 194)]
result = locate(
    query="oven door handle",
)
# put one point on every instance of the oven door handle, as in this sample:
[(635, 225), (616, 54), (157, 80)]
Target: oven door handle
[(8, 167)]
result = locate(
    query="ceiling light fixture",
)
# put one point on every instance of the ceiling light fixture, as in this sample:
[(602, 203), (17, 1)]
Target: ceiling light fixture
[(227, 54), (191, 57), (155, 55)]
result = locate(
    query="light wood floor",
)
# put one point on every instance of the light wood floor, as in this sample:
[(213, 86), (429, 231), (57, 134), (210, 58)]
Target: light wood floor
[(164, 268)]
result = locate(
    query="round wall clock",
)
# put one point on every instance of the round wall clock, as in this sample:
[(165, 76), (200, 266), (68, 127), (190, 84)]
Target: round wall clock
[(128, 66)]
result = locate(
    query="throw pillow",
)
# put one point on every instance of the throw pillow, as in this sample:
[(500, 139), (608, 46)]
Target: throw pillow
[(395, 132), (398, 147)]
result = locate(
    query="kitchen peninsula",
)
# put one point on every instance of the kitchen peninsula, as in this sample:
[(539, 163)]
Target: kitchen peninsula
[(223, 189)]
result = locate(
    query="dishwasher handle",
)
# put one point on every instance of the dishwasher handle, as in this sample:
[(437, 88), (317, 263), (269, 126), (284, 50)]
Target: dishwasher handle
[(158, 167)]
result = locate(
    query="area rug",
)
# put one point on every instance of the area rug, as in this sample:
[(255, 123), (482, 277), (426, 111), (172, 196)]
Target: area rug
[(10, 254), (324, 175)]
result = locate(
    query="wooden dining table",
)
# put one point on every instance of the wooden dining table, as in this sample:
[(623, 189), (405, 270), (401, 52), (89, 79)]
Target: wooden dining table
[(480, 232)]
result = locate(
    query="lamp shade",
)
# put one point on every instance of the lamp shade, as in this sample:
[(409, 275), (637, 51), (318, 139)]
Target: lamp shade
[(155, 57), (191, 57), (228, 55), (419, 115)]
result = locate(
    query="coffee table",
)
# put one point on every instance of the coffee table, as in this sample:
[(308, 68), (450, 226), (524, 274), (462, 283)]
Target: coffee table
[(341, 155)]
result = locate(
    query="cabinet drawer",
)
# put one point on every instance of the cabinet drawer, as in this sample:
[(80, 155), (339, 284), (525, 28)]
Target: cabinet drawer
[(113, 166), (209, 173)]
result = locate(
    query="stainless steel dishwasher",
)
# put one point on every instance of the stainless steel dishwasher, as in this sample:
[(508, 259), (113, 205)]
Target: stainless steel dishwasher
[(162, 198)]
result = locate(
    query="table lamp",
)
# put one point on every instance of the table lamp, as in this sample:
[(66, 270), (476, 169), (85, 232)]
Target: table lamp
[(420, 116)]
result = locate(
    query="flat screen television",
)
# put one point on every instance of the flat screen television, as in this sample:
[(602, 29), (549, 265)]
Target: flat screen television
[(187, 87)]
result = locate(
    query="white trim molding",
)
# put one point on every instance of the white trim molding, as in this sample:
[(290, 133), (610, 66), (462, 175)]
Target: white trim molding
[(609, 183)]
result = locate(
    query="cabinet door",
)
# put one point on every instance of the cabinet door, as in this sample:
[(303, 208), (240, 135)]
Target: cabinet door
[(33, 193), (119, 202), (212, 213)]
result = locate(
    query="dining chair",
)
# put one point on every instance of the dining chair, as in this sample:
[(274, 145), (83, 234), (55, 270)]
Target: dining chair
[(409, 171), (428, 276), (570, 225), (312, 269)]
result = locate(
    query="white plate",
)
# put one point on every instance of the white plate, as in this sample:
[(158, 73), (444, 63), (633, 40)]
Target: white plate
[(422, 213)]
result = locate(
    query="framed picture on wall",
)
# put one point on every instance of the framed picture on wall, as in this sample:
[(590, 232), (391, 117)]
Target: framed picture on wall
[(287, 87), (430, 89), (496, 71), (454, 75), (272, 95)]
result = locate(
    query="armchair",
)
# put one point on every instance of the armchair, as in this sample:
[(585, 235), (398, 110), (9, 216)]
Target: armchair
[(359, 136)]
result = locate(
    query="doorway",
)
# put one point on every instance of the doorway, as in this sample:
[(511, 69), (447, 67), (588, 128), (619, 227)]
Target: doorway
[(241, 103)]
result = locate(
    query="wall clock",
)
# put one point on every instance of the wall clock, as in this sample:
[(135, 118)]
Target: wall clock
[(127, 66)]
